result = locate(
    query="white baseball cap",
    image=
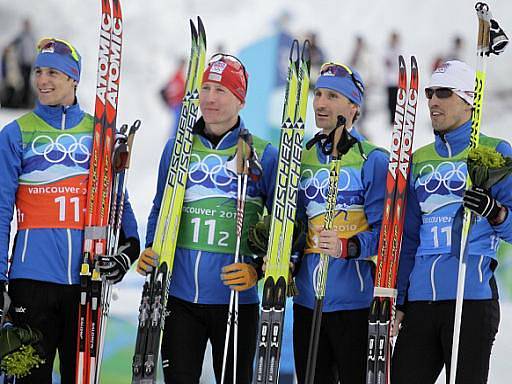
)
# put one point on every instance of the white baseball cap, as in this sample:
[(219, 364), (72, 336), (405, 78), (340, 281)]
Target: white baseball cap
[(456, 75)]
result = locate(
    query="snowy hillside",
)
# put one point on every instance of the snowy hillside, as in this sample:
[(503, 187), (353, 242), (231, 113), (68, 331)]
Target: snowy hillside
[(156, 34)]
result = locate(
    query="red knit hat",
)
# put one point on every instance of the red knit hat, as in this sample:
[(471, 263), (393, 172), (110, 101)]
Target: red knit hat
[(229, 72)]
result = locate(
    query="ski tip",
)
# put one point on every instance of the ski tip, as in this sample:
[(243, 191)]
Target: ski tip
[(294, 49), (401, 61), (193, 30), (306, 51), (414, 63), (202, 32)]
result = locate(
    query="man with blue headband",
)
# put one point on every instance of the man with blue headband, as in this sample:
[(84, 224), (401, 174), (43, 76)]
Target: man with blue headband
[(338, 97), (44, 163)]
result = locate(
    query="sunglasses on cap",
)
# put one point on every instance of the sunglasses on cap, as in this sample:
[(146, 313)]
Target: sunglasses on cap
[(58, 46), (442, 93), (233, 61), (341, 70)]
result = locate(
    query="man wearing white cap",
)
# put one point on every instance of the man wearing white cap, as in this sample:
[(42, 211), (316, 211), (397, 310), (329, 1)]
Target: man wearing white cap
[(427, 281)]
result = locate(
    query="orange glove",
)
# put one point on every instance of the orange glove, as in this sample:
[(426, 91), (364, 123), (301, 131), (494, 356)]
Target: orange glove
[(148, 259), (239, 276)]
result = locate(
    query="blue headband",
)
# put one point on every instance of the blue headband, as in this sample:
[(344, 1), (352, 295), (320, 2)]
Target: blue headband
[(344, 85), (63, 62)]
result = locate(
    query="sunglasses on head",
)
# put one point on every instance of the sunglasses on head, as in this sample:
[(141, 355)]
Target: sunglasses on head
[(58, 46), (341, 70), (233, 61)]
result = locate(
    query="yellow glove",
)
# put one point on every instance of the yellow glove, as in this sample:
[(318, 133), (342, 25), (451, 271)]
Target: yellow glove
[(148, 259), (239, 276)]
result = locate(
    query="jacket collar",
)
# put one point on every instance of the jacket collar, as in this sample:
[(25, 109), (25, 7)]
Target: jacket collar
[(229, 139), (452, 143), (60, 117)]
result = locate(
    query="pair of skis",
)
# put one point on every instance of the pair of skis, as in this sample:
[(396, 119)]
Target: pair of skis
[(283, 216), (154, 296), (382, 307), (110, 158)]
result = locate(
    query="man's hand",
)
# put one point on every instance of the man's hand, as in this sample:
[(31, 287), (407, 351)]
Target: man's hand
[(147, 261), (395, 328), (239, 276), (330, 244), (481, 202), (114, 267)]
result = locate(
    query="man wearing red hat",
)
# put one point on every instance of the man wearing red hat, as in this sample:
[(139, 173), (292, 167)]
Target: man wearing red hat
[(204, 273)]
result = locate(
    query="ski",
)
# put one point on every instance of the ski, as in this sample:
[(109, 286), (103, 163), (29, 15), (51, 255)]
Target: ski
[(283, 216), (154, 298), (382, 307), (99, 190)]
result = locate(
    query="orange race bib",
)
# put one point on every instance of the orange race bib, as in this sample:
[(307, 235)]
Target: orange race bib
[(60, 204)]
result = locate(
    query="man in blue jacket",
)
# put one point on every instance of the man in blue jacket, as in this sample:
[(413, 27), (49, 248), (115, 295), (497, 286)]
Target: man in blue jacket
[(44, 163), (339, 93), (204, 273), (428, 269)]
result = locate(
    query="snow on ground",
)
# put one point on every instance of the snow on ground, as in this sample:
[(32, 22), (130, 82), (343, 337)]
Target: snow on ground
[(156, 33)]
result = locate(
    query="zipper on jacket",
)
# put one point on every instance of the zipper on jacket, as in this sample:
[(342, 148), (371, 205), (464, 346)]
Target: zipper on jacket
[(196, 276), (25, 242), (432, 281), (361, 282), (70, 281), (63, 119), (448, 146)]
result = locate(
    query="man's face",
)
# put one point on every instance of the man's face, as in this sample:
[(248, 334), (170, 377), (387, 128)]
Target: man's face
[(219, 107), (448, 113), (328, 105), (54, 87)]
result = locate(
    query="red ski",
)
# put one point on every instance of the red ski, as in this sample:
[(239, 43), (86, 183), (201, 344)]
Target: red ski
[(99, 190), (382, 307)]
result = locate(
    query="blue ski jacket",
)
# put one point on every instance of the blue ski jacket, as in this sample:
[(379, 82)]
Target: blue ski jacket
[(196, 272), (360, 201), (429, 259), (46, 254)]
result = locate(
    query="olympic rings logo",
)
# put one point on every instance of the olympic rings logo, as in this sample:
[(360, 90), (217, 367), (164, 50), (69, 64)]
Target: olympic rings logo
[(318, 183), (211, 167), (65, 145), (446, 174)]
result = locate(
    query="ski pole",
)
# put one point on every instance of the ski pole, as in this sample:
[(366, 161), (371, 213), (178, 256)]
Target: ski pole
[(484, 18)]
